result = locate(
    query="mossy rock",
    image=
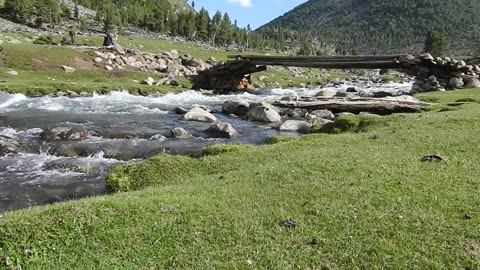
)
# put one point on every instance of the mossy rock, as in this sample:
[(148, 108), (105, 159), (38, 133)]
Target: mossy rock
[(349, 123), (159, 170), (279, 139), (225, 148)]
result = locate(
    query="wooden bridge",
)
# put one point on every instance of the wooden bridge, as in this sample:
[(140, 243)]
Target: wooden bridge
[(327, 62), (430, 73)]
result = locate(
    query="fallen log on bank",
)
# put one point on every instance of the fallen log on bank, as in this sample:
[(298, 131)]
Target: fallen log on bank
[(380, 107)]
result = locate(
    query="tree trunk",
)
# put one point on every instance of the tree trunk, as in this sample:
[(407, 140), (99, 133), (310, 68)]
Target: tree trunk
[(110, 39)]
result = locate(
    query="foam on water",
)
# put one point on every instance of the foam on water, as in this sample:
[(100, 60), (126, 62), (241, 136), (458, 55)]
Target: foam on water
[(121, 102), (8, 100)]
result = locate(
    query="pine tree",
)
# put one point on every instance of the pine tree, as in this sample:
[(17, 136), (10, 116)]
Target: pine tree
[(225, 33), (202, 24), (435, 43), (215, 27)]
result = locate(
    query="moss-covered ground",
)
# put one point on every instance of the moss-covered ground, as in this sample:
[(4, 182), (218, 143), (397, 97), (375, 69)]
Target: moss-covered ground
[(358, 199)]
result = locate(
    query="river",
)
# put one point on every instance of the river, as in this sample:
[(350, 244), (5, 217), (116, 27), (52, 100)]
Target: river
[(125, 128)]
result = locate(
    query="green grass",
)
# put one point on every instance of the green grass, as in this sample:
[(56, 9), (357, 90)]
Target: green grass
[(38, 65), (361, 200), (39, 69)]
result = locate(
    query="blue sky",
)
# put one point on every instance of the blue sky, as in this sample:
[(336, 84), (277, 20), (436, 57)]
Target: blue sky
[(253, 12)]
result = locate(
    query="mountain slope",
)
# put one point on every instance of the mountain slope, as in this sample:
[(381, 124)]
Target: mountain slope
[(383, 26)]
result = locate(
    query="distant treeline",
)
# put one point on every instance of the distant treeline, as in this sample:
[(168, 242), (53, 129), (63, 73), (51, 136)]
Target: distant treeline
[(379, 26)]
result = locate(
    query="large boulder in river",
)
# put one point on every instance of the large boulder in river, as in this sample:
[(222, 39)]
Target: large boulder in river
[(456, 83), (221, 130), (239, 108), (9, 145), (64, 133), (295, 125), (264, 112), (180, 133), (199, 115), (324, 114), (472, 83)]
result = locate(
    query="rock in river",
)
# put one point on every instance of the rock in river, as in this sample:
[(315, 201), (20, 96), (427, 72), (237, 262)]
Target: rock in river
[(295, 125), (199, 115), (8, 145), (180, 133), (239, 108), (221, 130), (264, 112), (64, 133)]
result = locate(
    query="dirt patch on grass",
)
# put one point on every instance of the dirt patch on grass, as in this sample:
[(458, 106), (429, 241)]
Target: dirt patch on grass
[(472, 249), (83, 63)]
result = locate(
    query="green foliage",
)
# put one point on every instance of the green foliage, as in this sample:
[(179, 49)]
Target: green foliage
[(379, 26), (435, 43)]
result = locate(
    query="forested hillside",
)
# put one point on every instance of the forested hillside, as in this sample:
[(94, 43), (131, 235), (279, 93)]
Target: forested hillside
[(175, 17), (380, 26)]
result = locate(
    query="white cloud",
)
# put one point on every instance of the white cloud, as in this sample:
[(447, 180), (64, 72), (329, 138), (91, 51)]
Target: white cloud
[(243, 3)]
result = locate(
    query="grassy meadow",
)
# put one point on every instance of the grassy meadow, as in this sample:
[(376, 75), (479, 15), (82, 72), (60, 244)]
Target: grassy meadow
[(360, 199)]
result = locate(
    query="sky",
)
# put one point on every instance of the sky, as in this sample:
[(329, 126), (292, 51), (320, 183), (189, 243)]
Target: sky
[(253, 12)]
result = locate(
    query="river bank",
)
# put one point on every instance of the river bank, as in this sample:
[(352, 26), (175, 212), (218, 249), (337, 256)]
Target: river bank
[(57, 148), (317, 201)]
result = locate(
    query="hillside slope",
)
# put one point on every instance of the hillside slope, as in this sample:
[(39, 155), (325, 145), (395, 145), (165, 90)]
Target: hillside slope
[(383, 26)]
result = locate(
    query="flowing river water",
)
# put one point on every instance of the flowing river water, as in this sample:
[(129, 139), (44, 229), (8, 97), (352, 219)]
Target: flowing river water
[(126, 128)]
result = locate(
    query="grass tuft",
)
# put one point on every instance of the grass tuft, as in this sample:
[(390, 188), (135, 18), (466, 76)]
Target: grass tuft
[(224, 149)]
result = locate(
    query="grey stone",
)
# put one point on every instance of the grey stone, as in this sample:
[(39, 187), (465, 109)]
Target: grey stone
[(264, 113), (221, 130), (64, 133), (326, 93), (382, 94), (68, 69), (295, 125), (239, 108), (199, 115), (351, 90), (9, 145), (12, 73), (324, 114), (149, 81), (180, 110), (456, 83), (180, 133), (472, 83)]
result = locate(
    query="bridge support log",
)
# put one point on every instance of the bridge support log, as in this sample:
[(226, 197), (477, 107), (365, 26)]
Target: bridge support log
[(376, 106), (228, 77)]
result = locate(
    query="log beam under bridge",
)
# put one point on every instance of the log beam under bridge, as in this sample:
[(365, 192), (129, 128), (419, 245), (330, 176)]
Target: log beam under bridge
[(430, 73)]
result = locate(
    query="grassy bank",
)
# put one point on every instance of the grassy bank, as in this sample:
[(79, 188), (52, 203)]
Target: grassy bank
[(39, 68), (354, 200)]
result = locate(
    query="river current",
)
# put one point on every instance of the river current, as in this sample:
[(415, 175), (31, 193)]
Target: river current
[(127, 128)]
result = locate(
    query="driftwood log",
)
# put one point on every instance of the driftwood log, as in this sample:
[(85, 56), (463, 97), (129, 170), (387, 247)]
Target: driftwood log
[(376, 106)]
